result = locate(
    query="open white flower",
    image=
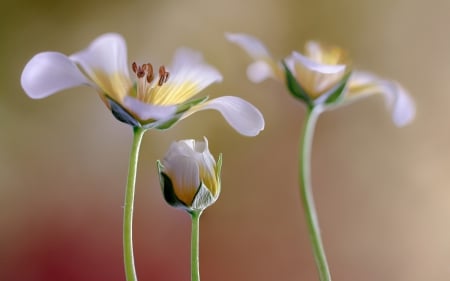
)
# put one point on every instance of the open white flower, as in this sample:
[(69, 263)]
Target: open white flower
[(189, 175), (153, 98), (323, 76)]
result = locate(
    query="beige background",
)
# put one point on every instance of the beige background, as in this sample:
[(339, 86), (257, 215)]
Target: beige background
[(382, 192)]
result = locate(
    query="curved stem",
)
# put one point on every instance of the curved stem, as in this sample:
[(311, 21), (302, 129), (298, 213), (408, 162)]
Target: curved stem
[(195, 268), (306, 193), (128, 256)]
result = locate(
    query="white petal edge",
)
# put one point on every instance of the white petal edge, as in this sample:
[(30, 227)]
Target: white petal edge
[(189, 65), (245, 118), (400, 103), (107, 53), (315, 66), (50, 72), (250, 44), (147, 111)]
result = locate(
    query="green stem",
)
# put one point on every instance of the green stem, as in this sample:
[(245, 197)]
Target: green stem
[(128, 256), (195, 269), (307, 196)]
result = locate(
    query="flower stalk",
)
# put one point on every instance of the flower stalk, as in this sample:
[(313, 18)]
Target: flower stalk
[(128, 255), (306, 141), (195, 233)]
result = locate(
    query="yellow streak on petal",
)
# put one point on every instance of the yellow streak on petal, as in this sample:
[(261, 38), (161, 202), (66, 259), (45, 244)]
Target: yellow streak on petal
[(314, 82), (172, 93), (117, 85), (326, 54)]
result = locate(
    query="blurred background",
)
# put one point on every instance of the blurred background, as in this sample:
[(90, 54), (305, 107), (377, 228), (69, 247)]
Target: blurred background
[(382, 192)]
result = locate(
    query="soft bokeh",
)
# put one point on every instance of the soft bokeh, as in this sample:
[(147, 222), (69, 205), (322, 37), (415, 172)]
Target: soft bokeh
[(382, 193)]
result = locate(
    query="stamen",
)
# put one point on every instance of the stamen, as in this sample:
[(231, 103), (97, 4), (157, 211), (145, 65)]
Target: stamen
[(134, 67), (149, 73), (163, 75)]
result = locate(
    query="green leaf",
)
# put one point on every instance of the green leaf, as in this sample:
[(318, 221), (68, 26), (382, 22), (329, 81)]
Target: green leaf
[(295, 88), (336, 94)]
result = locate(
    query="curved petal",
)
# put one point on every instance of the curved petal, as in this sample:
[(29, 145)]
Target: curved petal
[(400, 103), (265, 66), (50, 72), (317, 66), (145, 111), (107, 53), (105, 62), (361, 84), (189, 74), (240, 114), (325, 54), (398, 100), (185, 175), (316, 78), (250, 44)]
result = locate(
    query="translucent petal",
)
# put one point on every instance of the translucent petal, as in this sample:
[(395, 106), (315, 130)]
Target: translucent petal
[(250, 44), (105, 62), (240, 114), (398, 100), (264, 67), (145, 111), (189, 74), (50, 72), (259, 71), (107, 53), (314, 77), (400, 103)]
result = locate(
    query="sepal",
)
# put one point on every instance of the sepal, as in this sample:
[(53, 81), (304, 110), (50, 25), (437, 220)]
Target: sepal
[(337, 93), (295, 88), (121, 113), (203, 199)]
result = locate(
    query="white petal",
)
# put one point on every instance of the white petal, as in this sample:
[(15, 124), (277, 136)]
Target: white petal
[(189, 66), (240, 114), (147, 111), (107, 53), (400, 103), (185, 175), (50, 72), (315, 66), (250, 44), (259, 71)]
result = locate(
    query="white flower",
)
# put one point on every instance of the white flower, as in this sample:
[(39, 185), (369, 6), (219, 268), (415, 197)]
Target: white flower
[(323, 76), (189, 175), (153, 98)]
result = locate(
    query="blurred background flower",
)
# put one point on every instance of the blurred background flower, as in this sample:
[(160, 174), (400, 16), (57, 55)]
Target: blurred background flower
[(381, 192)]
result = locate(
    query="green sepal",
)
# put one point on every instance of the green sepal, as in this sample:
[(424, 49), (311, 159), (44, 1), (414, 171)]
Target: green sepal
[(218, 174), (295, 88), (122, 114), (190, 103), (167, 188), (202, 199), (336, 94), (180, 110)]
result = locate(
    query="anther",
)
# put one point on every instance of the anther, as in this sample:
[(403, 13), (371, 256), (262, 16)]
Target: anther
[(163, 75), (134, 67)]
